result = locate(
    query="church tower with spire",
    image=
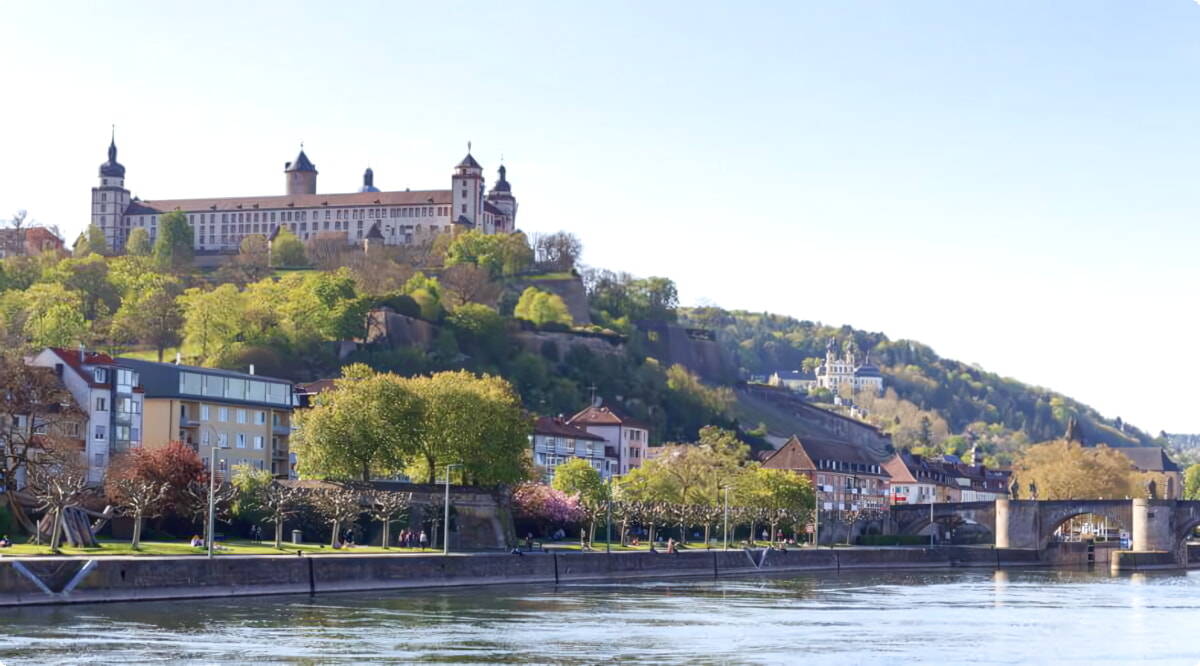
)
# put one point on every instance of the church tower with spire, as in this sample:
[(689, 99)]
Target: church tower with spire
[(501, 195), (467, 192), (110, 199)]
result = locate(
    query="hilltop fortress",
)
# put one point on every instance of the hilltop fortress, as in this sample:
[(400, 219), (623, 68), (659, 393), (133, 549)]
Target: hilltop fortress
[(398, 217)]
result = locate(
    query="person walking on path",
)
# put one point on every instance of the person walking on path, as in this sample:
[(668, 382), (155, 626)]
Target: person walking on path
[(424, 540)]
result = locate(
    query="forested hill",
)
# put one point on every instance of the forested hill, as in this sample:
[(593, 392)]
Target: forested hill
[(1003, 414)]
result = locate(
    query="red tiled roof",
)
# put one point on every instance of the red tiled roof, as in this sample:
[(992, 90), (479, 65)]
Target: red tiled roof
[(603, 416), (803, 455), (298, 201), (899, 472), (558, 428), (71, 359)]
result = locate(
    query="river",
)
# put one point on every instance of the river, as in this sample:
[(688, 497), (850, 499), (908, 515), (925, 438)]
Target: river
[(944, 617)]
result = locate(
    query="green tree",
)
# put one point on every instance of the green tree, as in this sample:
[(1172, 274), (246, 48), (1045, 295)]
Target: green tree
[(153, 315), (287, 250), (175, 247), (1066, 471), (138, 244), (212, 320), (780, 496), (515, 253), (53, 316), (476, 248), (361, 429), (1191, 482), (577, 477), (474, 421), (251, 483), (542, 308)]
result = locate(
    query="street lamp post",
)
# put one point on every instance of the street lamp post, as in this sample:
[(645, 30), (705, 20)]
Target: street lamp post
[(932, 499), (446, 522), (726, 488), (817, 517), (608, 517), (212, 488)]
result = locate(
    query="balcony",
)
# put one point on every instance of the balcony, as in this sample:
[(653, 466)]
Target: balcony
[(185, 422), (281, 430), (276, 454)]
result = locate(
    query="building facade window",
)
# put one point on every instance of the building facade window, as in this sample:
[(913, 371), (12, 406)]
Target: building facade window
[(223, 414), (241, 440)]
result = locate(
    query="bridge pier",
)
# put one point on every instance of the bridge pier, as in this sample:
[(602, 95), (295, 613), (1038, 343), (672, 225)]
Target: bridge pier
[(1018, 524), (1154, 525)]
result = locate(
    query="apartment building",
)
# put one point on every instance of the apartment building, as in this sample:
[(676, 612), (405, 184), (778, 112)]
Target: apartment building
[(844, 476), (247, 418), (629, 437), (110, 396), (555, 442)]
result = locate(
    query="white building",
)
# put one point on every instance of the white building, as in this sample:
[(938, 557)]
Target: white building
[(836, 372), (220, 223), (555, 442), (629, 437), (111, 396), (794, 380)]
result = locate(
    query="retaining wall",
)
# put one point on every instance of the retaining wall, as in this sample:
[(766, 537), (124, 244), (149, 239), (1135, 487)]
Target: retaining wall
[(54, 580), (1128, 560)]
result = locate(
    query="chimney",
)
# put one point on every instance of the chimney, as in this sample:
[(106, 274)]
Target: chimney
[(178, 358), (251, 368), (82, 353)]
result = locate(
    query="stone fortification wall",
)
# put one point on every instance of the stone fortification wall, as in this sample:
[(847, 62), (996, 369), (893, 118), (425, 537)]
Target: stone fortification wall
[(533, 342), (827, 423), (390, 328)]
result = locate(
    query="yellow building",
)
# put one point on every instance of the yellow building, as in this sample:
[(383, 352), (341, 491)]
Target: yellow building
[(246, 417)]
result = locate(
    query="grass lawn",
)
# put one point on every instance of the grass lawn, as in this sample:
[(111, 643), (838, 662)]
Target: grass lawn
[(230, 547), (189, 352), (564, 275)]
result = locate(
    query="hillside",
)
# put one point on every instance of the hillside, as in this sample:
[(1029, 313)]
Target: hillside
[(1000, 413)]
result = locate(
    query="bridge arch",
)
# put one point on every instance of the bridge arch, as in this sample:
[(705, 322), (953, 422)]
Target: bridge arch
[(1055, 518)]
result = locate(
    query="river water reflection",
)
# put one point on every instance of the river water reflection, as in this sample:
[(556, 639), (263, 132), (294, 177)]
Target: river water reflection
[(946, 617)]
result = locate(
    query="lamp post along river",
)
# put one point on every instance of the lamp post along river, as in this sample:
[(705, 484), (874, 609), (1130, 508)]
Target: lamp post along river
[(446, 521)]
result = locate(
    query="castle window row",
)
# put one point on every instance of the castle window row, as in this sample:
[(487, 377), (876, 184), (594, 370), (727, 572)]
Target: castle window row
[(303, 215)]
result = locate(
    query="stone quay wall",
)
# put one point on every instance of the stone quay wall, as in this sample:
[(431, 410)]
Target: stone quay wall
[(63, 580)]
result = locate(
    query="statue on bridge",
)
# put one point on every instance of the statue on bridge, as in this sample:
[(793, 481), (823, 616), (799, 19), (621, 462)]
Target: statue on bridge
[(1033, 491), (1014, 489), (1151, 489)]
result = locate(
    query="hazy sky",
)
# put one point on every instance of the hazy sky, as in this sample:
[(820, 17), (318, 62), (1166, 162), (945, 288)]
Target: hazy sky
[(1008, 182)]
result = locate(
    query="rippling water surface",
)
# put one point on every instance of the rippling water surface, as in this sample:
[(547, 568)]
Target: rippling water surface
[(1030, 617)]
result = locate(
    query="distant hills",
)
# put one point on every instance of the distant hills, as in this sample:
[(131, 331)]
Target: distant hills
[(1000, 414)]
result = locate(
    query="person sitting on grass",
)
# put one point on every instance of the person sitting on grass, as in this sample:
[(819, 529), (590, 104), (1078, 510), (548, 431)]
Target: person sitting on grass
[(197, 542), (5, 542)]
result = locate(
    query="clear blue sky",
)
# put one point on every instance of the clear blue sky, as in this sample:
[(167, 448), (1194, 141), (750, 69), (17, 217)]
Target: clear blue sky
[(1008, 182)]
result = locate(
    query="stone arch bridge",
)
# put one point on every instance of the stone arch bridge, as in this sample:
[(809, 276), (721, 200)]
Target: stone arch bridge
[(1156, 525)]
